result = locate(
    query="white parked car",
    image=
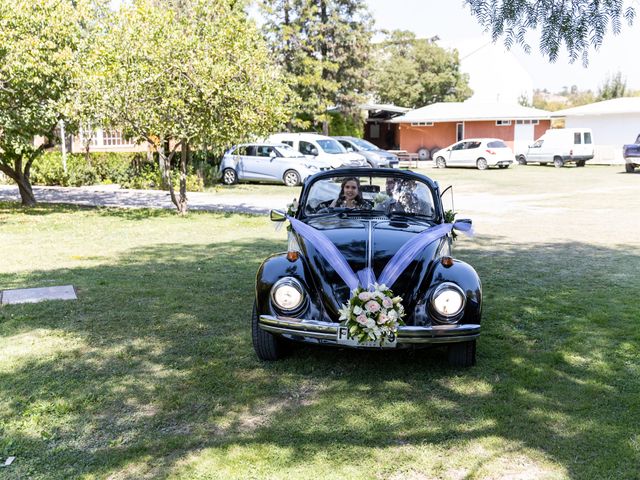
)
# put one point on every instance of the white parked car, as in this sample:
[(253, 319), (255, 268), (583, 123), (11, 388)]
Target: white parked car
[(481, 153), (268, 162), (320, 148)]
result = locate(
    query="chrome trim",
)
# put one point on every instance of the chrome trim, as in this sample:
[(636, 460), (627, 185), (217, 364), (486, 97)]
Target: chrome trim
[(406, 334)]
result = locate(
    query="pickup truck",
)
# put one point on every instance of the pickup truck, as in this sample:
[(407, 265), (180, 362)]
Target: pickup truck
[(631, 154)]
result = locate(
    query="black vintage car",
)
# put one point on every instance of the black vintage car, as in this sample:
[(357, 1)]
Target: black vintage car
[(367, 217)]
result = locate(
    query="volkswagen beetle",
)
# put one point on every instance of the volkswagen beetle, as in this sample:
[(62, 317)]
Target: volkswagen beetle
[(300, 292)]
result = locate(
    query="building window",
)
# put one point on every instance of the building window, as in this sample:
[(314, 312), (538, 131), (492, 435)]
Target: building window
[(503, 123), (526, 122), (422, 124), (459, 131), (113, 137)]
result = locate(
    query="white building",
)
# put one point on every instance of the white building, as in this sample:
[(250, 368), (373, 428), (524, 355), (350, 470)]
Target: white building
[(495, 74), (614, 123)]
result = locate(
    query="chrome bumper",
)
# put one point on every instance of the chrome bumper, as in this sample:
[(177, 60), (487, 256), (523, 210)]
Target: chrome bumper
[(327, 332)]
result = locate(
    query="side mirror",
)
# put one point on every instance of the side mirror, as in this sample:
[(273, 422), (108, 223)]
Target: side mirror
[(273, 154), (277, 216), (314, 151), (349, 149), (465, 220)]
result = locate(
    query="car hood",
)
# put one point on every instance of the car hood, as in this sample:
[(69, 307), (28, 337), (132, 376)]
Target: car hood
[(346, 159), (352, 237)]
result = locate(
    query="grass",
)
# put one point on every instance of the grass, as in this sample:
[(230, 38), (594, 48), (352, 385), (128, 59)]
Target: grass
[(151, 374)]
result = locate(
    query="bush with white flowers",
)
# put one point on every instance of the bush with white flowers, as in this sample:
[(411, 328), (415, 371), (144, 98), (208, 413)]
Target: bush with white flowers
[(373, 314)]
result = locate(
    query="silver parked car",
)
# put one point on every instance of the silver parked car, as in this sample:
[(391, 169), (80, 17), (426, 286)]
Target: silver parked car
[(376, 157), (268, 162)]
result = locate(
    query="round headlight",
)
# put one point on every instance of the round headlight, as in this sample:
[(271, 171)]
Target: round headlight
[(448, 299), (287, 294)]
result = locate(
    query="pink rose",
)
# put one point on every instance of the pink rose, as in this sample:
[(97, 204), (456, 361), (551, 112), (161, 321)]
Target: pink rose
[(387, 302), (382, 318), (364, 296), (372, 306), (361, 319)]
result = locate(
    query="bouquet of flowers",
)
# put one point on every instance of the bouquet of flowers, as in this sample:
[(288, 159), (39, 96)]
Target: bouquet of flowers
[(372, 315)]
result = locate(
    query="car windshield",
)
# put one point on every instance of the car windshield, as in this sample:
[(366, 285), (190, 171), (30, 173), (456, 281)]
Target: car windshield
[(364, 145), (331, 146), (288, 152), (370, 194)]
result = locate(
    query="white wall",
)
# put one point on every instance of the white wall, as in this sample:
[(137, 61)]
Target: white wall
[(610, 132)]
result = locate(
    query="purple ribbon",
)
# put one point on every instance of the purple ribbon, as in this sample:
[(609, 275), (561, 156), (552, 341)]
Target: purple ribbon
[(410, 250), (398, 263), (328, 250)]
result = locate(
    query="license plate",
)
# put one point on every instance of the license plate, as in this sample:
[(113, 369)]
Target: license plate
[(343, 338)]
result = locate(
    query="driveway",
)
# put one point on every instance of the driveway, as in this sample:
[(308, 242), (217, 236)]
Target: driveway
[(112, 196)]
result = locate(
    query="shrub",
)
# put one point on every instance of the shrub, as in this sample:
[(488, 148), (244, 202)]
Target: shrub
[(131, 170)]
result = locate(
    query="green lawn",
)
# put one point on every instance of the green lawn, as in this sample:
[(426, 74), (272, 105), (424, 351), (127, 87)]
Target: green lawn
[(151, 373)]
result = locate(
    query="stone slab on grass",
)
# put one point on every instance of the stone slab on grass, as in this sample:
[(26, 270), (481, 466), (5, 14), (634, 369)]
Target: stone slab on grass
[(33, 295)]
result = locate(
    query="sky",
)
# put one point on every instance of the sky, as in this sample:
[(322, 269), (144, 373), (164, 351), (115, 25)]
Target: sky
[(452, 21)]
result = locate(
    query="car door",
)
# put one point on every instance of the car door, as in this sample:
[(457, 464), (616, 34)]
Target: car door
[(264, 164), (247, 164), (308, 149), (472, 152), (535, 152), (238, 156), (456, 155)]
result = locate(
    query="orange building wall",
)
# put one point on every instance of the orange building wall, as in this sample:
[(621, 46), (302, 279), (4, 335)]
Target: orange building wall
[(443, 134), (413, 138), (542, 127), (489, 129)]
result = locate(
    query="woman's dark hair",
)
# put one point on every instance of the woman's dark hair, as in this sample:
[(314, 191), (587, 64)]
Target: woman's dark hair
[(358, 198)]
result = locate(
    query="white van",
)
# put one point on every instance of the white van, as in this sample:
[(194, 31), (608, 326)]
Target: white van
[(320, 147), (560, 146)]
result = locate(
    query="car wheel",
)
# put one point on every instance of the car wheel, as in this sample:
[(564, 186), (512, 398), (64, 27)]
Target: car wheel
[(482, 164), (462, 354), (424, 153), (522, 160), (371, 164), (629, 167), (291, 178), (558, 162), (580, 163), (440, 162), (267, 346), (229, 176)]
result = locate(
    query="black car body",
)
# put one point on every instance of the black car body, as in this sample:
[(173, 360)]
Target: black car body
[(631, 154), (366, 237)]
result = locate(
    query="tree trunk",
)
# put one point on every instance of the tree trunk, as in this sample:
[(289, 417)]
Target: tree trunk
[(184, 160), (165, 167), (16, 174)]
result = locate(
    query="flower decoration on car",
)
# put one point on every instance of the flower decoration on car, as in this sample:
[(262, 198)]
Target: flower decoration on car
[(373, 314)]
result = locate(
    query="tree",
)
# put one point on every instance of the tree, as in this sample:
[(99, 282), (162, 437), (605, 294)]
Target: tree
[(37, 52), (412, 72), (578, 24), (612, 87), (324, 47), (184, 74)]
